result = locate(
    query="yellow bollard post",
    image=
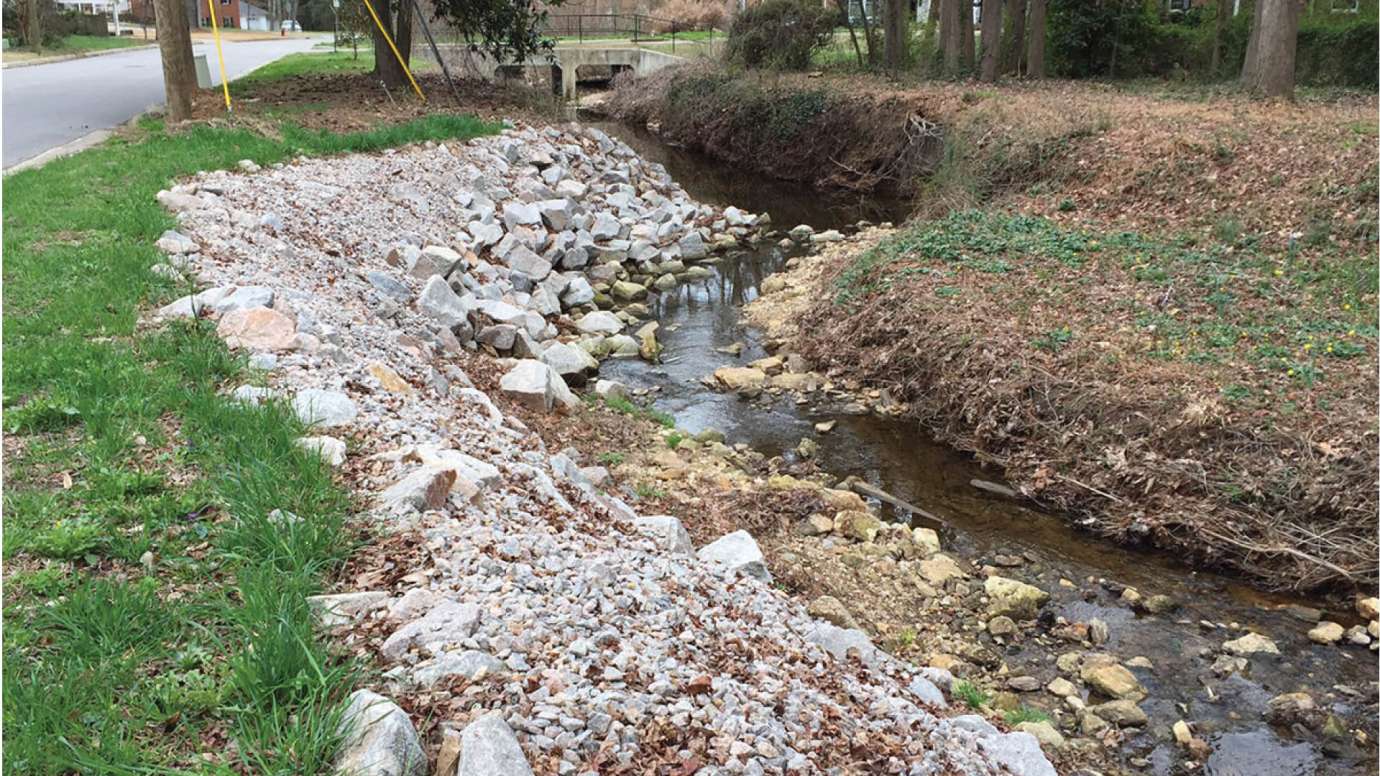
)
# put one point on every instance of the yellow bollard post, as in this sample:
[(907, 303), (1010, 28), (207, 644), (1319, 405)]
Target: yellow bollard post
[(220, 55), (389, 38)]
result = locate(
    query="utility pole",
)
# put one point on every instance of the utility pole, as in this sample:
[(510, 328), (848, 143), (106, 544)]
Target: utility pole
[(115, 10), (175, 49)]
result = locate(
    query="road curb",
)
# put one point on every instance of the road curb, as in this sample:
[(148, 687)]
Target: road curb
[(89, 140), (70, 57)]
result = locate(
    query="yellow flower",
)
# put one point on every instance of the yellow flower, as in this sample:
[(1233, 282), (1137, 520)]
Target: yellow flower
[(1279, 272), (1291, 371), (1307, 346), (1346, 306)]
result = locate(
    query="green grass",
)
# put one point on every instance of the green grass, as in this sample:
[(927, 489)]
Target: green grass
[(1024, 714), (124, 452), (611, 459), (971, 694), (626, 407), (98, 42)]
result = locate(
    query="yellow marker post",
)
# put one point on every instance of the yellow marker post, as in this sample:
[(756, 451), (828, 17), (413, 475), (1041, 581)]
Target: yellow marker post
[(220, 55), (389, 38)]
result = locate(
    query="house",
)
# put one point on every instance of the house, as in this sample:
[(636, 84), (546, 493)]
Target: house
[(230, 14), (102, 7)]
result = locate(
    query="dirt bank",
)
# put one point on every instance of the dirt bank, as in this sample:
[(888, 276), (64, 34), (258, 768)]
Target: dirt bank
[(1216, 403), (1204, 164)]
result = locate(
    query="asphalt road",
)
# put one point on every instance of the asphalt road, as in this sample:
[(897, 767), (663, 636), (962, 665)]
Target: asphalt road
[(46, 106)]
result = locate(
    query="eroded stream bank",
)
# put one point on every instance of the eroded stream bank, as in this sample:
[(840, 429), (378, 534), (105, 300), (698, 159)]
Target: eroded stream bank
[(1170, 630)]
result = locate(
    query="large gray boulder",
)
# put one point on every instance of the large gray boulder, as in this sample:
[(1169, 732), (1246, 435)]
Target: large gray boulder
[(378, 739), (737, 553), (489, 748), (668, 531), (520, 214), (528, 263), (537, 386), (569, 361), (606, 227), (447, 621), (577, 293), (692, 246), (839, 642), (600, 322), (217, 301), (556, 213), (1019, 753), (470, 664), (318, 407), (440, 302)]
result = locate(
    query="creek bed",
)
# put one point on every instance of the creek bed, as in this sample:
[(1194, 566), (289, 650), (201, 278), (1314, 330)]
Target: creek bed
[(697, 319)]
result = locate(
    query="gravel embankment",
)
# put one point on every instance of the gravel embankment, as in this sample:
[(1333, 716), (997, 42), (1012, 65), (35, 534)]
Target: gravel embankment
[(563, 632)]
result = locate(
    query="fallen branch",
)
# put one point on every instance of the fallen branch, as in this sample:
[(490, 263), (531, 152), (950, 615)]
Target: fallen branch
[(865, 489), (1301, 555), (1102, 493)]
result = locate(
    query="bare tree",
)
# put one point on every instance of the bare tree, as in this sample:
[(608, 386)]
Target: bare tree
[(867, 32), (852, 33), (951, 35), (1219, 31), (1013, 40), (991, 39), (175, 49), (894, 29), (1035, 41), (965, 19), (1269, 68)]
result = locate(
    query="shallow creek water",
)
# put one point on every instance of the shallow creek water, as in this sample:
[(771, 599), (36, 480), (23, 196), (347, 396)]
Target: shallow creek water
[(897, 457)]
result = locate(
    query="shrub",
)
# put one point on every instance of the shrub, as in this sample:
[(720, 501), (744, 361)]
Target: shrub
[(780, 34), (691, 15), (1124, 40)]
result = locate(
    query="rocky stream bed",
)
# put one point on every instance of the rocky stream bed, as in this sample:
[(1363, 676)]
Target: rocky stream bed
[(529, 615)]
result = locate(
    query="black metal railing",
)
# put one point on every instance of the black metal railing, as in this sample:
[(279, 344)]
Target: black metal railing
[(640, 28)]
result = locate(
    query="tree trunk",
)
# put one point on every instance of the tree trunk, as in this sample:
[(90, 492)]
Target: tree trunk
[(1219, 32), (175, 49), (34, 26), (1035, 41), (852, 34), (867, 33), (951, 34), (1013, 42), (991, 39), (399, 25), (1274, 44), (934, 12), (965, 18), (894, 30)]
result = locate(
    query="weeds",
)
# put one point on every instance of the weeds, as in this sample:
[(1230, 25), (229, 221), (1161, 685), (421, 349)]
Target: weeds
[(646, 490), (626, 407), (1015, 717), (971, 694), (612, 459)]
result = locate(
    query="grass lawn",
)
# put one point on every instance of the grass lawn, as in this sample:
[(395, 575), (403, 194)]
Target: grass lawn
[(98, 42), (76, 44), (154, 610), (308, 63)]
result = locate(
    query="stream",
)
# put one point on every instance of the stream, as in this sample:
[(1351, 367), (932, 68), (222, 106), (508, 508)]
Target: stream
[(897, 457)]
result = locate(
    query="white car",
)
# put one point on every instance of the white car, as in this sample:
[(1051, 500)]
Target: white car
[(290, 25)]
